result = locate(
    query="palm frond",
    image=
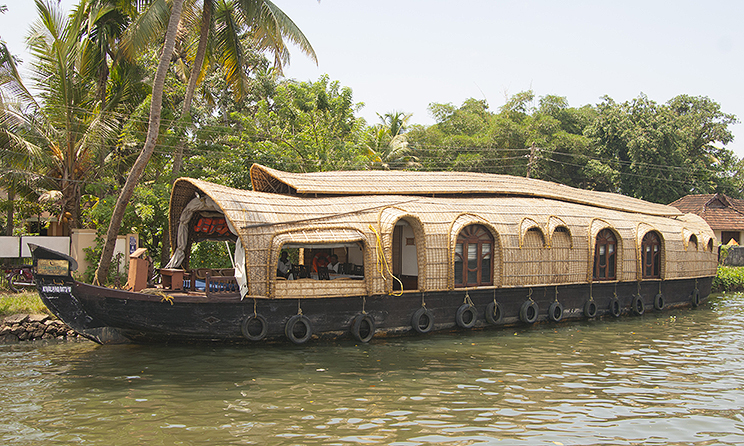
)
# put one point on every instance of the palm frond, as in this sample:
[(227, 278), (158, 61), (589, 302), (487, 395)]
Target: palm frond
[(147, 27), (228, 48), (270, 27)]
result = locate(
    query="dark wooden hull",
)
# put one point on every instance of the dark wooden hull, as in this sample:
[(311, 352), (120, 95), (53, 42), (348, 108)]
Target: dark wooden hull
[(114, 316)]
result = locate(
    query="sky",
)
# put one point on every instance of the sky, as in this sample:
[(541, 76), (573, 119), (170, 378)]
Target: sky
[(402, 55)]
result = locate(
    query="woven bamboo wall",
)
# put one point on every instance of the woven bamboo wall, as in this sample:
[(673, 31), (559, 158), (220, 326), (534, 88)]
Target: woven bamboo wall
[(528, 248)]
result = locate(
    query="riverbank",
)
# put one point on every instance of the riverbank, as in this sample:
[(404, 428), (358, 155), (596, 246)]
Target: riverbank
[(25, 318), (31, 327)]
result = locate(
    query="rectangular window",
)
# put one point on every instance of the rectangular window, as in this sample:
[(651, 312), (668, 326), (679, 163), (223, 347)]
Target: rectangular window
[(472, 263), (486, 263)]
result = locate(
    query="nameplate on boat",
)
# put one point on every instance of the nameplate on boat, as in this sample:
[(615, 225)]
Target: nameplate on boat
[(56, 289), (49, 267)]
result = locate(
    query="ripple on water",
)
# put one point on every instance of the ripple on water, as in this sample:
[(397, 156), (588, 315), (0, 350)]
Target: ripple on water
[(668, 378)]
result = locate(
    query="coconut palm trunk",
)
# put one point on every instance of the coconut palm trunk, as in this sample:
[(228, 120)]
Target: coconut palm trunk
[(144, 157)]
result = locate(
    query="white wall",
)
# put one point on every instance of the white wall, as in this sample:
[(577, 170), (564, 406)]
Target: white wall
[(60, 244), (409, 261), (10, 247)]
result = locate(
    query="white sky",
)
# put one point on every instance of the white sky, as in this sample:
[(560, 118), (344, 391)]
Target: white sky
[(401, 55)]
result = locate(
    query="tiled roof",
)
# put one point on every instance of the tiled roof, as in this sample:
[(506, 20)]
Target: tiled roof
[(718, 210)]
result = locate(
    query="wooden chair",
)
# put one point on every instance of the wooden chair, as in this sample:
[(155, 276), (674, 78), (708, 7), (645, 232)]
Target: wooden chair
[(323, 273)]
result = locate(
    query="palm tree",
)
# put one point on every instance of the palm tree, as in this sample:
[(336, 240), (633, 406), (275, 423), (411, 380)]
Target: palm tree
[(102, 24), (224, 25), (51, 143), (152, 134), (389, 146), (267, 27)]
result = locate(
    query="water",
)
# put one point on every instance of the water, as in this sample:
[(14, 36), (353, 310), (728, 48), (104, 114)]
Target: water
[(670, 378)]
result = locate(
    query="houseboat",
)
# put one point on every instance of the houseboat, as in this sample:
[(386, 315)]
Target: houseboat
[(366, 254)]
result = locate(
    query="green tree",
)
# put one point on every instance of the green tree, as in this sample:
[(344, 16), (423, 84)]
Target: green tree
[(662, 152), (226, 28), (303, 127)]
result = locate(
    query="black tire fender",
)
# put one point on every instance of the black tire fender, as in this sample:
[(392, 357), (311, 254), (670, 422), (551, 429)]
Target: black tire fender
[(615, 308), (555, 312), (466, 316), (248, 327), (363, 327), (695, 297), (494, 315), (659, 302), (529, 311), (637, 305), (590, 309), (422, 320), (289, 329)]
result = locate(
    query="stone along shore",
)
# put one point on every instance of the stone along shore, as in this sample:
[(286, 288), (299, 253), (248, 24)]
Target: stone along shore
[(30, 327)]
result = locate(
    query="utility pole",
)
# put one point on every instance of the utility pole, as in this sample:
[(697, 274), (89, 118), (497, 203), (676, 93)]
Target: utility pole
[(533, 149)]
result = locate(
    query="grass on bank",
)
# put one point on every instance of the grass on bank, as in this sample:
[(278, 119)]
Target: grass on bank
[(728, 279), (21, 303)]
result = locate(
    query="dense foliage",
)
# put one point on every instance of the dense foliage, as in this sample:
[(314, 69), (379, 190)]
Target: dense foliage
[(73, 141), (729, 279)]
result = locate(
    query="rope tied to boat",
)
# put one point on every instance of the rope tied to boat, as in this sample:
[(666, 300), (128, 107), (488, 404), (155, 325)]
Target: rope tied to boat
[(556, 293), (364, 303), (165, 297), (591, 295), (382, 263), (255, 314), (467, 299), (299, 308), (529, 295)]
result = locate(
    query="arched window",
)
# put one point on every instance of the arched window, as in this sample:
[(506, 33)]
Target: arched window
[(693, 245), (651, 256), (605, 255), (473, 257)]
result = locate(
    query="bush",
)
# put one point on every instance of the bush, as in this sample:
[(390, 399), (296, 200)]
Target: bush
[(729, 278)]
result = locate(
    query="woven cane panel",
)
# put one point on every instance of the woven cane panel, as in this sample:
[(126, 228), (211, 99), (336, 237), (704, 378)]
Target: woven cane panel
[(310, 288)]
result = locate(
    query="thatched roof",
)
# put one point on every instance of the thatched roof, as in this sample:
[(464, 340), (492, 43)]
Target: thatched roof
[(377, 182)]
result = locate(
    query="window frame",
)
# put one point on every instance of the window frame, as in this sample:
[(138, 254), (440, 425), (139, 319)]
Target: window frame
[(478, 235), (651, 256), (610, 264)]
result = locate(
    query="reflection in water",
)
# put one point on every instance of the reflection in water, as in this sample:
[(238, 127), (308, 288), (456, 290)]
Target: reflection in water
[(674, 377)]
